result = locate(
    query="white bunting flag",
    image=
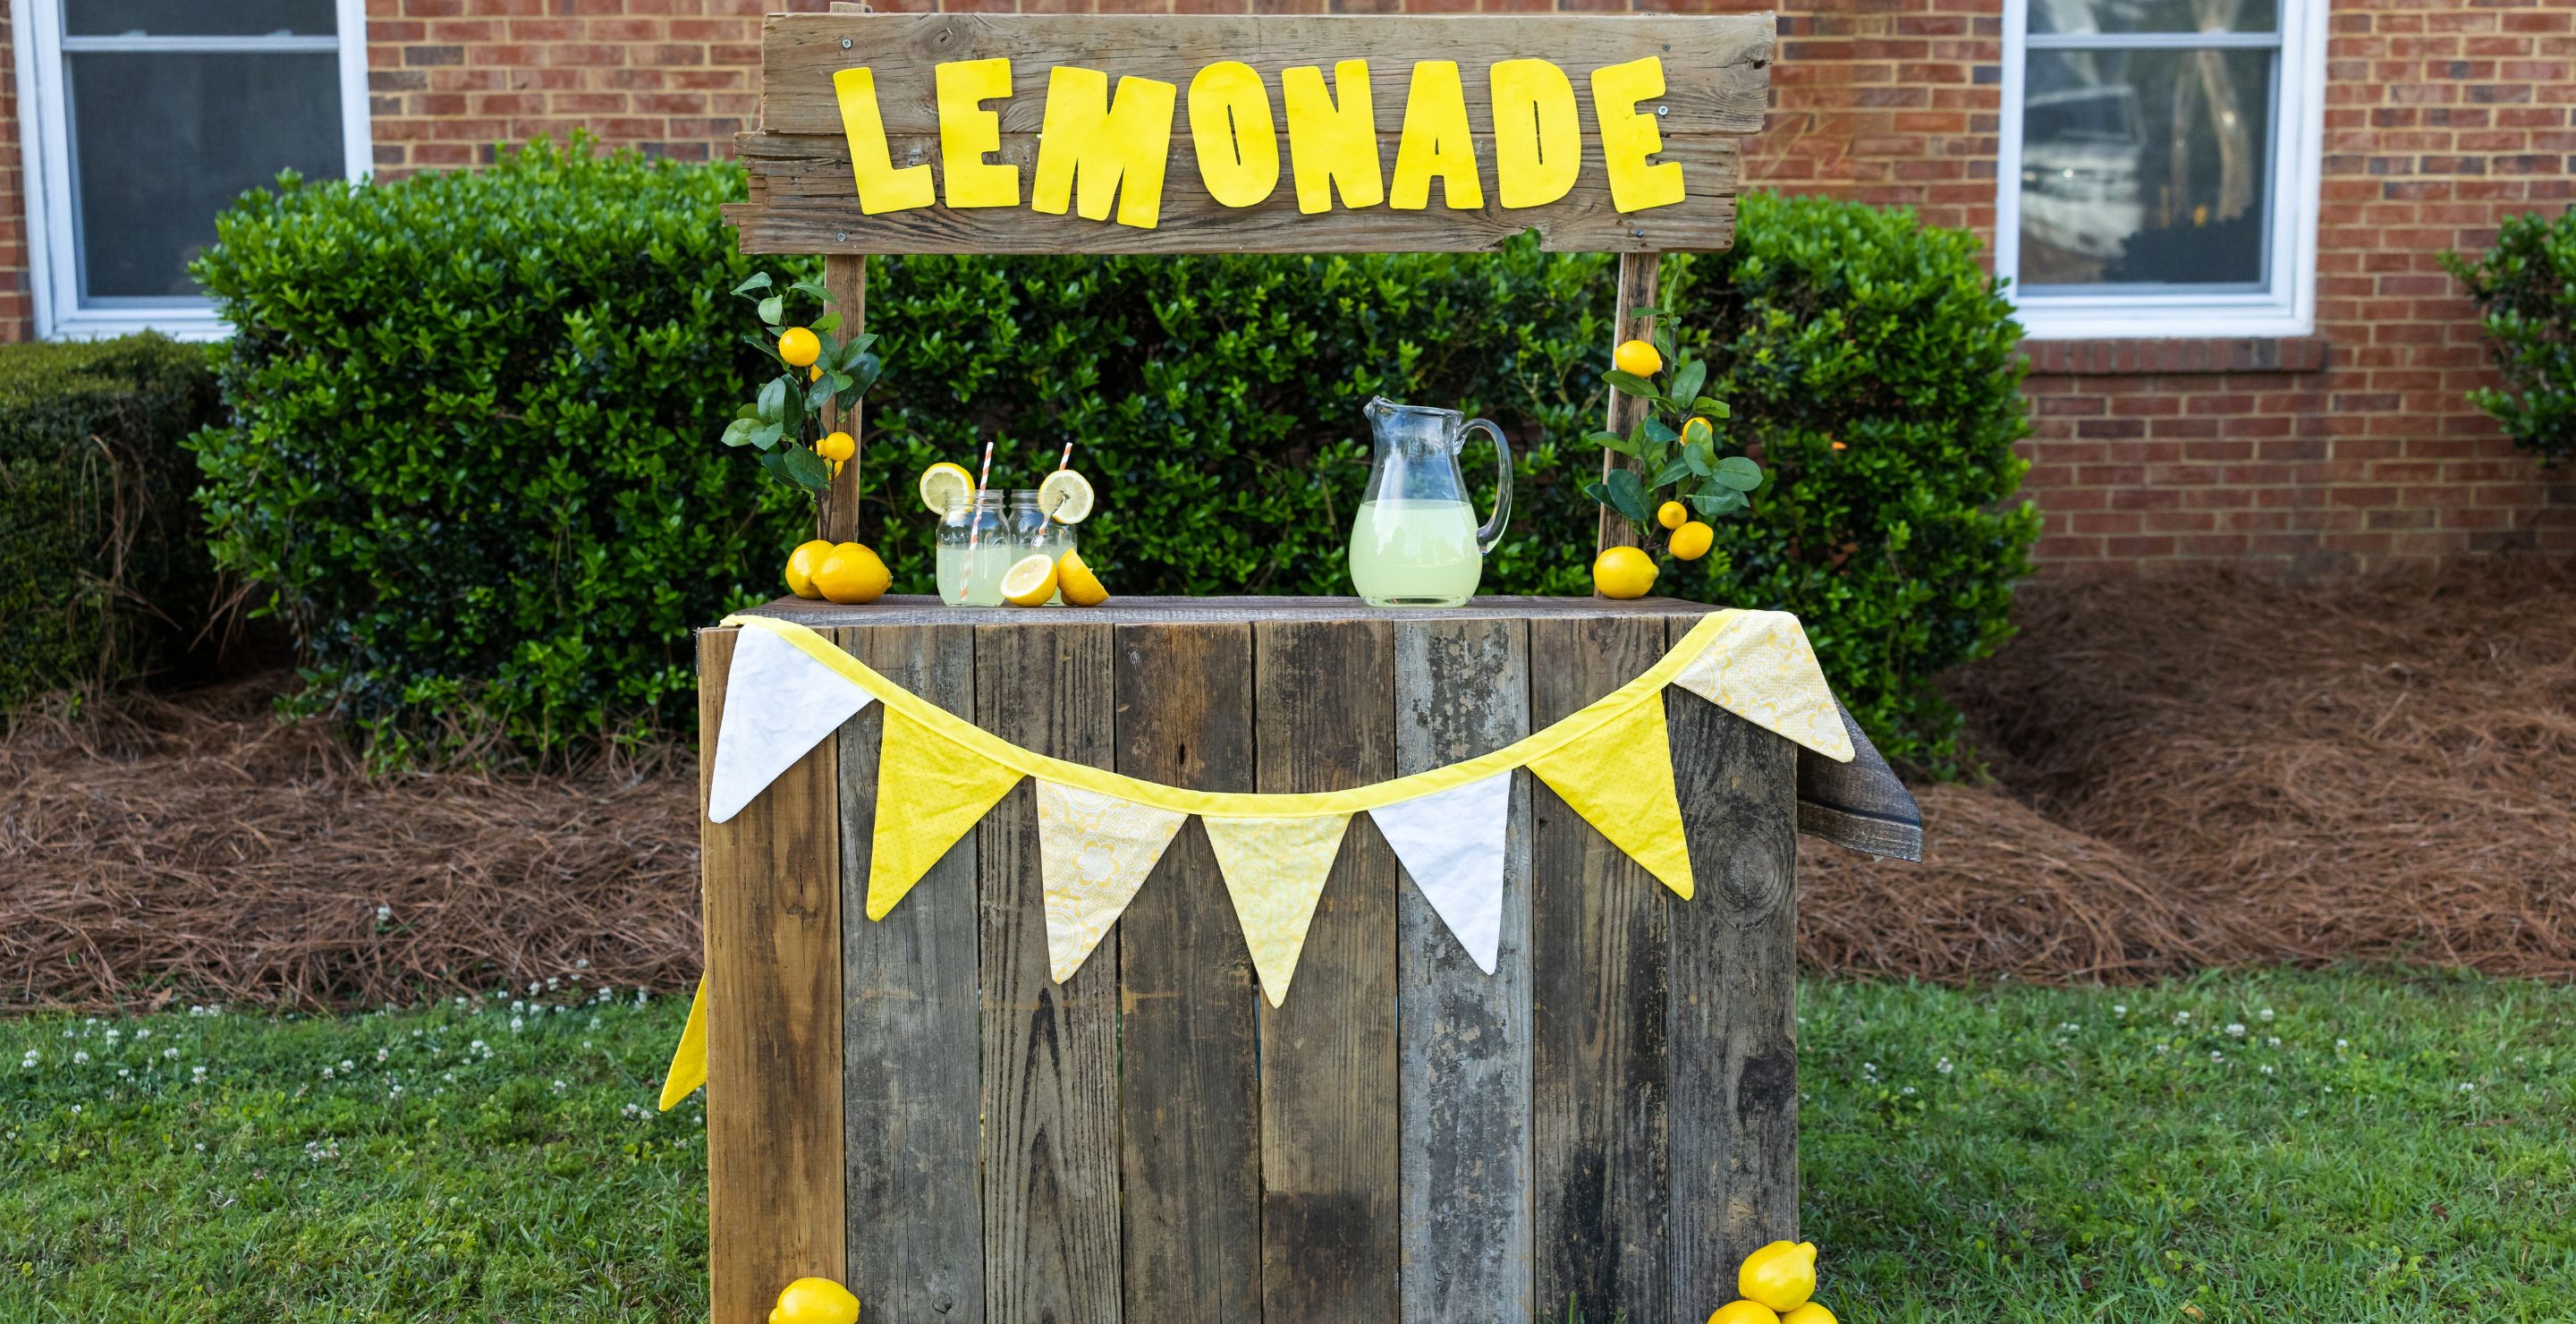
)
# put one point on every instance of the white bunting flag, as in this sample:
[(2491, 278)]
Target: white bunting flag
[(779, 703), (1451, 843), (1094, 851)]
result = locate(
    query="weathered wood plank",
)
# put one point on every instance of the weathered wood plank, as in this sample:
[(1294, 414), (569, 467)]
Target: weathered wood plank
[(1639, 274), (1734, 970), (805, 201), (1190, 1105), (846, 276), (900, 609), (1463, 1036), (1715, 66), (1050, 1052), (1329, 1116), (911, 1003), (1597, 963), (771, 908)]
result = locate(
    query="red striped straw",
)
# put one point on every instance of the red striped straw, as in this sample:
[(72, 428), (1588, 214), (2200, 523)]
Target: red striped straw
[(1061, 461), (974, 520)]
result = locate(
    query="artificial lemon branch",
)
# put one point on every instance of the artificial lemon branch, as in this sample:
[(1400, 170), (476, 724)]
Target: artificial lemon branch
[(785, 420), (1677, 442)]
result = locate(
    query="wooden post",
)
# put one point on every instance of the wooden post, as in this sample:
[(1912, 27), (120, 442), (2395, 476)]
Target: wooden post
[(1637, 275), (845, 275)]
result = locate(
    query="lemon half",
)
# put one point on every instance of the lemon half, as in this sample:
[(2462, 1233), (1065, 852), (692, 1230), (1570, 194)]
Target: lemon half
[(1081, 587), (1030, 581)]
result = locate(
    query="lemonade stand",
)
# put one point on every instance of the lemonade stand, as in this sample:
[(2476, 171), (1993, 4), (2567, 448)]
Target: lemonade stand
[(1285, 959)]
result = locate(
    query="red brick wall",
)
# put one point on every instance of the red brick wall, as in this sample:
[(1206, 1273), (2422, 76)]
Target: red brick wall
[(2334, 453), (17, 305)]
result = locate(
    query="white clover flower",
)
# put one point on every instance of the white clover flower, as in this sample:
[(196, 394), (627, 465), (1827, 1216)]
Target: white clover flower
[(533, 986), (2119, 1009), (347, 1065), (2273, 1041), (141, 1035), (169, 1054), (2216, 1056), (581, 964), (2267, 1068), (198, 1074), (122, 1073), (560, 1087), (2236, 1029), (517, 1005), (2263, 1015), (326, 1073), (383, 1053), (201, 1146), (2342, 1044), (2466, 1087), (75, 1107), (1943, 1066), (80, 1058), (113, 1034), (516, 1025), (2182, 1018), (2068, 1027), (30, 1059), (384, 913), (552, 984)]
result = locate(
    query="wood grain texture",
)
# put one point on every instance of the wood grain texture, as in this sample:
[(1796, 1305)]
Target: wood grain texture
[(912, 998), (1329, 1116), (1639, 275), (1051, 1238), (1598, 926), (1715, 66), (1190, 1103), (803, 200), (1734, 972), (1463, 1036), (772, 914), (846, 276)]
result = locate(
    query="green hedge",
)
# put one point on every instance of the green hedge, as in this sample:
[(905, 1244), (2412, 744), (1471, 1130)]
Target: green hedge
[(477, 460), (107, 576), (2526, 289)]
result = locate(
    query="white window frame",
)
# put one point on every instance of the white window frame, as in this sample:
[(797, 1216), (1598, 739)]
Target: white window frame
[(2288, 308), (45, 142)]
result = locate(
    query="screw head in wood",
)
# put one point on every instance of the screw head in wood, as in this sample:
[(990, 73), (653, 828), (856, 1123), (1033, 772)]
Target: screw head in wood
[(845, 43)]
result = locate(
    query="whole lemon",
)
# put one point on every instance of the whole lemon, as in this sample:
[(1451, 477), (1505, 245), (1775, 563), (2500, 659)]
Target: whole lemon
[(1698, 429), (799, 347), (1637, 358), (850, 574), (1671, 514), (1623, 572), (1743, 1312), (1780, 1275), (1810, 1313), (816, 1301), (1691, 541), (837, 447), (800, 567)]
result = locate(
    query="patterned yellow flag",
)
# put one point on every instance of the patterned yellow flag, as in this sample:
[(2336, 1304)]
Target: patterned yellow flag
[(1760, 667), (1620, 778), (1094, 851), (688, 1061), (930, 791), (1275, 869)]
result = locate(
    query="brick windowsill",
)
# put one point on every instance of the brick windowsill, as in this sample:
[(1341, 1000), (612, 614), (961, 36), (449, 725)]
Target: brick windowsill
[(2093, 358)]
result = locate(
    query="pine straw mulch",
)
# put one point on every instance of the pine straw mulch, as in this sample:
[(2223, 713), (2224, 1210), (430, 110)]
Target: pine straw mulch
[(2199, 771)]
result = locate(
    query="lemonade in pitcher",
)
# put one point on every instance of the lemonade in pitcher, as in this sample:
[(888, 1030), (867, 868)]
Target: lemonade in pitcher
[(1415, 542)]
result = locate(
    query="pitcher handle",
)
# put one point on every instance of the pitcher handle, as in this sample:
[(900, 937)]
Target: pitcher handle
[(1492, 533)]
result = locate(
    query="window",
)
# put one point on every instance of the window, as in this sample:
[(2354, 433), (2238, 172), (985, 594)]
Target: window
[(2159, 165), (141, 119)]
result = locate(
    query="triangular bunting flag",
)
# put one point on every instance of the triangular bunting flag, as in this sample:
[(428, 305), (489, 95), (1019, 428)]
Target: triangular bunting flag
[(1620, 778), (779, 703), (1760, 668), (688, 1061), (930, 790), (1094, 851), (1451, 842), (1274, 869)]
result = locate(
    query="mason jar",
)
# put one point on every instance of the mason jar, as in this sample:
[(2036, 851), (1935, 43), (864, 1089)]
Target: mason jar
[(976, 544), (1037, 534)]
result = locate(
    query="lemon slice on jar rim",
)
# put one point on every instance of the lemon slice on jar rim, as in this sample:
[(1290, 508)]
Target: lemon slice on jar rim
[(1030, 580), (945, 485), (1066, 496)]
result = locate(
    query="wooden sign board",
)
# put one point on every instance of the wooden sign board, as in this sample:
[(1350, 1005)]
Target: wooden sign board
[(1568, 85)]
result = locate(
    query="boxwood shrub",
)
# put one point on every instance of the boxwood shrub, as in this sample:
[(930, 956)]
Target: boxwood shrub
[(477, 462), (107, 576), (2526, 292)]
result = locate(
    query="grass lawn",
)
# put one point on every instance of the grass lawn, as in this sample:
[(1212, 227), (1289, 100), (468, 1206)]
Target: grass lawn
[(2356, 1145)]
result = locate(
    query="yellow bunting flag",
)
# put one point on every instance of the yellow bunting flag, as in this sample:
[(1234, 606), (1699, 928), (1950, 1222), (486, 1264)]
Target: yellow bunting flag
[(1620, 778), (1094, 851), (930, 791), (1275, 869), (1760, 668), (688, 1061)]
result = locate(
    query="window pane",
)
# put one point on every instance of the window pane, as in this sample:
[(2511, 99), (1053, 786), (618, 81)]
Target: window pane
[(2155, 15), (160, 143), (2146, 167), (199, 18)]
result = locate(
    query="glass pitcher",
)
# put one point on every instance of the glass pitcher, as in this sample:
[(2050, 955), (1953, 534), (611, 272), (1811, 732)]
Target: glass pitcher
[(1415, 542)]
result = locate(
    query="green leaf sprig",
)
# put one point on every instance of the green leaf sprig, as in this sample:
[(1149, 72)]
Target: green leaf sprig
[(784, 421), (1677, 443)]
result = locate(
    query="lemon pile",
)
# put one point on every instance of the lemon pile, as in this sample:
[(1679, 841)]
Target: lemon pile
[(1776, 1281), (847, 573)]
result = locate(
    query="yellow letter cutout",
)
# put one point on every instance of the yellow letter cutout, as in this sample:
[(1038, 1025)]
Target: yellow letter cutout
[(1538, 137), (1236, 135), (1436, 142), (882, 188), (1118, 149), (1332, 147), (967, 132), (1629, 136)]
